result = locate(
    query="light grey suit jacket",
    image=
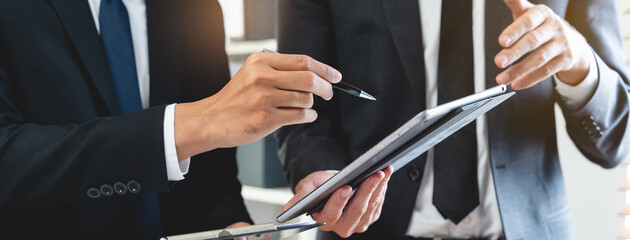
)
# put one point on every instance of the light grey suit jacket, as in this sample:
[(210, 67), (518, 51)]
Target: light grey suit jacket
[(376, 44)]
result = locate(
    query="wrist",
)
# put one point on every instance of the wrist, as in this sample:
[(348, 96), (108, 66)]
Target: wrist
[(191, 137), (578, 71), (575, 75)]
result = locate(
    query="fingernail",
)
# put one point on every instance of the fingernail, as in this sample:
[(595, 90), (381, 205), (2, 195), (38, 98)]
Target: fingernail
[(503, 78), (503, 61), (338, 76), (345, 193)]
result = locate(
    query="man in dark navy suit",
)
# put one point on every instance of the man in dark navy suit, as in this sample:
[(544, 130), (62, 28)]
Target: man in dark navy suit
[(92, 145)]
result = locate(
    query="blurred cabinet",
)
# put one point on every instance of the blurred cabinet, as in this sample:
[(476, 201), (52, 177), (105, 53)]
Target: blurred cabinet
[(258, 164), (260, 19)]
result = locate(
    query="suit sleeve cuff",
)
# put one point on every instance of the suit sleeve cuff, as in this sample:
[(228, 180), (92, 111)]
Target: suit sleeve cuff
[(575, 97), (175, 170)]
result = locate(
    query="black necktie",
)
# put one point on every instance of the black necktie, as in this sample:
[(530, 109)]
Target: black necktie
[(455, 192), (118, 45)]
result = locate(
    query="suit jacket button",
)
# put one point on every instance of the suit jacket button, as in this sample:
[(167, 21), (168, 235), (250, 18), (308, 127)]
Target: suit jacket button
[(93, 193), (107, 190), (413, 173), (120, 188), (133, 186), (588, 120)]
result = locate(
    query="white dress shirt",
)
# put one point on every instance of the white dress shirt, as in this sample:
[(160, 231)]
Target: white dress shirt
[(485, 220), (136, 9)]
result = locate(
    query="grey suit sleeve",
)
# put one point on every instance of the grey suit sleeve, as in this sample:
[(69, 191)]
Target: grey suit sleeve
[(600, 129), (306, 28)]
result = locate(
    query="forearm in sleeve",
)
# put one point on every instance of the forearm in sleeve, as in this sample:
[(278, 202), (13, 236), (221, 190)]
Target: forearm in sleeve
[(45, 165), (600, 129)]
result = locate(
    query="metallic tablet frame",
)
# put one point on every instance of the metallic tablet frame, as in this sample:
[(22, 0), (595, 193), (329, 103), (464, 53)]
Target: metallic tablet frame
[(403, 145), (258, 230)]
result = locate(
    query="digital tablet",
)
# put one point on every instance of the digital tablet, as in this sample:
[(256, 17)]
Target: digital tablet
[(413, 138), (260, 231)]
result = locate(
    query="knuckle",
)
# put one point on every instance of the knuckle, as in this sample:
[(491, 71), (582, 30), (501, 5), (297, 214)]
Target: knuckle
[(528, 22), (362, 228), (301, 114), (510, 54), (305, 62), (330, 219), (376, 203), (255, 58), (375, 218), (259, 100), (255, 78), (516, 72), (564, 30), (555, 19), (544, 9), (361, 211), (300, 186), (325, 218), (262, 117), (537, 37), (310, 80), (543, 57), (539, 10), (547, 70)]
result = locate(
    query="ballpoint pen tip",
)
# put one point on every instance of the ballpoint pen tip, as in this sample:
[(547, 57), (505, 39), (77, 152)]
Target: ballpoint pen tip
[(367, 96)]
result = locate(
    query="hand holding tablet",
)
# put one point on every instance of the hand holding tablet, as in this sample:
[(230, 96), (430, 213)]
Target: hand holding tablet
[(327, 196), (346, 213)]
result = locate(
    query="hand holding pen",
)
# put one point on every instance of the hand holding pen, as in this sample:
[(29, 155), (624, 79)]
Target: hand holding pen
[(268, 92), (344, 86)]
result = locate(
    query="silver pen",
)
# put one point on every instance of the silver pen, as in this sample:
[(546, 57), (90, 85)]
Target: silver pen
[(343, 86)]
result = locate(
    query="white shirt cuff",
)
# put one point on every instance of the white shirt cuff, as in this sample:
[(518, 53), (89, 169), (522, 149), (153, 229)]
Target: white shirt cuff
[(575, 97), (175, 169)]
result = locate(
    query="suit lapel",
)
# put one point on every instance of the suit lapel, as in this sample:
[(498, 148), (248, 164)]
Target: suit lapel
[(79, 23), (497, 17), (403, 19), (165, 53)]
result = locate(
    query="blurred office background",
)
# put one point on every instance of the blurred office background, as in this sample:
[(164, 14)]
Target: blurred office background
[(595, 197)]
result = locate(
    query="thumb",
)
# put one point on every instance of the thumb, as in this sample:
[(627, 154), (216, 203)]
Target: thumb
[(518, 7), (296, 198)]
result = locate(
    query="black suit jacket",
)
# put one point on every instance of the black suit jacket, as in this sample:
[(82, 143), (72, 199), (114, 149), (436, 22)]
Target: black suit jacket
[(61, 133), (377, 45)]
